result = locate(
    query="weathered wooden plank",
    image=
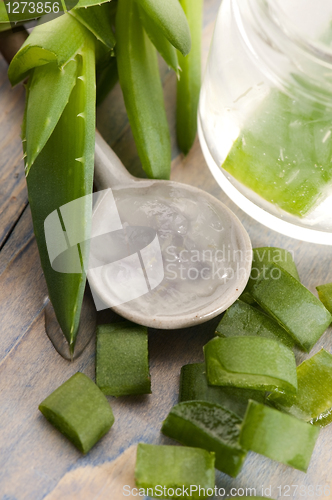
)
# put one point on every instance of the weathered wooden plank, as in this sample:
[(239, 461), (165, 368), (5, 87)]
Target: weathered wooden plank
[(13, 194), (22, 284)]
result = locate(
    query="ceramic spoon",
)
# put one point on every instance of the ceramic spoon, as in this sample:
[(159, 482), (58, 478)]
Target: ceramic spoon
[(144, 231)]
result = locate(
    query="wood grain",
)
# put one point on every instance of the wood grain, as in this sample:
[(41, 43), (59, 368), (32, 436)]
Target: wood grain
[(36, 461)]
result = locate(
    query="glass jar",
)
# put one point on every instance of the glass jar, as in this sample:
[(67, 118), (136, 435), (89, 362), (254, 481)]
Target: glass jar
[(265, 112)]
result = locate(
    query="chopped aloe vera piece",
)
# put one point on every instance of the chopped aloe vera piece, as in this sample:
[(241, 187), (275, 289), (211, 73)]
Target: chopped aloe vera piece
[(257, 498), (295, 308), (250, 362), (242, 319), (278, 436), (122, 364), (61, 174), (98, 20), (325, 295), (283, 153), (194, 387), (80, 411), (208, 426), (163, 468), (264, 257), (313, 400)]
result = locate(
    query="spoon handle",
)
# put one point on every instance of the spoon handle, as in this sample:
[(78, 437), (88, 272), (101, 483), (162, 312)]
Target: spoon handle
[(109, 170)]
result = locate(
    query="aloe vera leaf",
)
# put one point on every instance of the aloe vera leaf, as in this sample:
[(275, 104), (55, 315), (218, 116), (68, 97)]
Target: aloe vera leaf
[(50, 89), (164, 47), (106, 80), (189, 84), (97, 19), (143, 95), (79, 410), (171, 20), (6, 26), (63, 172), (209, 426), (57, 41), (278, 436)]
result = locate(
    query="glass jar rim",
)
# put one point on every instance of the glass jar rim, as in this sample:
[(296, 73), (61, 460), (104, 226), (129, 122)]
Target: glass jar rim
[(284, 27)]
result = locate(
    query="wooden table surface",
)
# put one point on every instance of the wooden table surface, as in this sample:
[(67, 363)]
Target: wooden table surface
[(36, 461)]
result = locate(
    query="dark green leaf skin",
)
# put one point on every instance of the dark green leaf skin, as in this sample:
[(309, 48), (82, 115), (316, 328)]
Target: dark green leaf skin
[(250, 362), (143, 95), (62, 41), (171, 20), (122, 365), (209, 426), (80, 411), (242, 319), (174, 467), (194, 387), (61, 173), (278, 436), (189, 83), (325, 295), (292, 305), (313, 400)]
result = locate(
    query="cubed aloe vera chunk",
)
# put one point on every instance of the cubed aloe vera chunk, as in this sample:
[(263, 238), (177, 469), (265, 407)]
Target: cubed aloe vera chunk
[(122, 364), (325, 295), (208, 426), (194, 387), (80, 411), (293, 306), (250, 362), (313, 400), (242, 319), (283, 153), (278, 436), (161, 469)]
